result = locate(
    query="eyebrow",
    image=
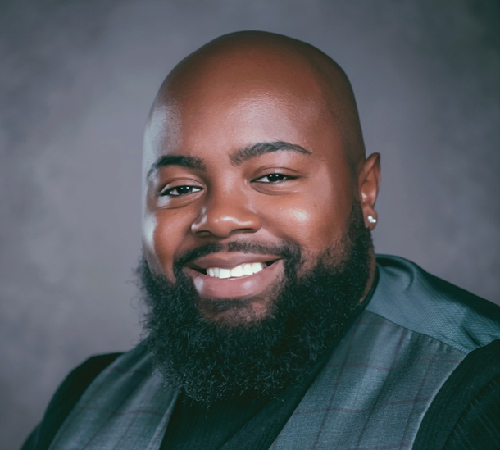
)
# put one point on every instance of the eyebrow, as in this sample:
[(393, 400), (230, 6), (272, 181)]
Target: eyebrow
[(244, 154), (238, 157), (191, 162)]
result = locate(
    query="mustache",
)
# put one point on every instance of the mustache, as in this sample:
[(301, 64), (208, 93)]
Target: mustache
[(286, 250)]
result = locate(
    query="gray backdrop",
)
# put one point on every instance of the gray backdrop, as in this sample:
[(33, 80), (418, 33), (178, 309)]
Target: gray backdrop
[(77, 79)]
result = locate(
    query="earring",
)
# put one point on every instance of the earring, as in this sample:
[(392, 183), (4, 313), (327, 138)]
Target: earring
[(371, 219)]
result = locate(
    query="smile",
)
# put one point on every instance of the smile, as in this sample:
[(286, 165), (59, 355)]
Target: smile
[(236, 272), (234, 275)]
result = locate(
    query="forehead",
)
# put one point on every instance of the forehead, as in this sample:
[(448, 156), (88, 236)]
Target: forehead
[(224, 104)]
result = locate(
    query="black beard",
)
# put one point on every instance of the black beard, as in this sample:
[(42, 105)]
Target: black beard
[(211, 361)]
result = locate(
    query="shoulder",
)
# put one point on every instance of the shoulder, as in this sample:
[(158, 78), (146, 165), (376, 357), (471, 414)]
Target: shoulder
[(465, 413), (79, 378), (65, 398), (410, 297)]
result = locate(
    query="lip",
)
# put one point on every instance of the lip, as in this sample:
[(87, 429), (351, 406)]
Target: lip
[(242, 287)]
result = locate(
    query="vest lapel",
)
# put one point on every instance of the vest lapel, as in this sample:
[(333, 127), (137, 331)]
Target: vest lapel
[(126, 407), (373, 392)]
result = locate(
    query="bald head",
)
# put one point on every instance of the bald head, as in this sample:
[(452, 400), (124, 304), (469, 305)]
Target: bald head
[(264, 64)]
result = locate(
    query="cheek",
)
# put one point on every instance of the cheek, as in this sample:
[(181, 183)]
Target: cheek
[(316, 217), (311, 223), (162, 234), (149, 225)]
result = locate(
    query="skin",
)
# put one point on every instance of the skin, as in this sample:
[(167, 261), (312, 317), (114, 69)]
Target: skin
[(236, 93)]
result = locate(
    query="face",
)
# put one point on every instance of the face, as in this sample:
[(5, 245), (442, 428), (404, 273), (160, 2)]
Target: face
[(235, 173)]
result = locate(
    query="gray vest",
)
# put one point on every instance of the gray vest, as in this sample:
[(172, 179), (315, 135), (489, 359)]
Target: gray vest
[(371, 394)]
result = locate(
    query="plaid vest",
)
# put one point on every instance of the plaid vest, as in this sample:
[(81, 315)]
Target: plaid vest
[(371, 394)]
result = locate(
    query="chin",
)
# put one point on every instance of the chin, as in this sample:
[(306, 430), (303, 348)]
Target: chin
[(234, 312)]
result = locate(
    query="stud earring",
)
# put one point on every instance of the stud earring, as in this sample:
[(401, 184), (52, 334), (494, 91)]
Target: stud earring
[(371, 219)]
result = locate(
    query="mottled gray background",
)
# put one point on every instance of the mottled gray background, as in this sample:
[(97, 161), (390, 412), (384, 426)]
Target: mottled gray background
[(77, 79)]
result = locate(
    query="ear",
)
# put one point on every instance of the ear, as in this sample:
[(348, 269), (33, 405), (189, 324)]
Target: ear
[(368, 187)]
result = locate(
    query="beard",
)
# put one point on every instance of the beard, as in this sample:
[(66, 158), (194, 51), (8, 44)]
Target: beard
[(211, 360)]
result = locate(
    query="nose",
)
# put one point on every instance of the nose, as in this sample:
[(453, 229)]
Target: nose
[(224, 214)]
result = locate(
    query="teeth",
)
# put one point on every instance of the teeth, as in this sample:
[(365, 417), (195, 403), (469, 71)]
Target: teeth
[(247, 269), (224, 273), (257, 267), (213, 272), (238, 271)]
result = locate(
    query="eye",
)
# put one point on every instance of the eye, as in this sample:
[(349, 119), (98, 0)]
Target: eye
[(179, 191), (274, 178)]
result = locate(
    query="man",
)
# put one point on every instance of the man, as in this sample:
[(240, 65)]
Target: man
[(270, 322)]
